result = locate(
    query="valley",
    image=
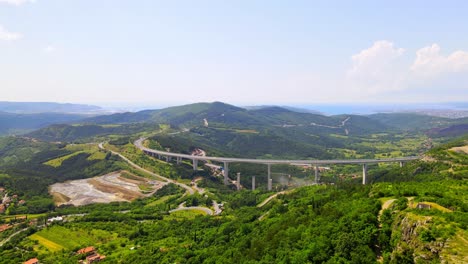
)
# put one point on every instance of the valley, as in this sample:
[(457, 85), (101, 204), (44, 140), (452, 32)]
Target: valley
[(96, 181)]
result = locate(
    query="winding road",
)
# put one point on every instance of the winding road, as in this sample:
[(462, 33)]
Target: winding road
[(183, 208), (186, 187)]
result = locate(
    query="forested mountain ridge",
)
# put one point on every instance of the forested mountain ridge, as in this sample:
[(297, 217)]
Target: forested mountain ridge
[(223, 114), (12, 123), (47, 107)]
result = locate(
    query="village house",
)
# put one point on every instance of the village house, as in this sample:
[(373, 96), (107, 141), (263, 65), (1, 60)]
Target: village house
[(423, 206), (32, 261), (56, 219), (91, 255), (5, 227), (86, 250), (94, 258)]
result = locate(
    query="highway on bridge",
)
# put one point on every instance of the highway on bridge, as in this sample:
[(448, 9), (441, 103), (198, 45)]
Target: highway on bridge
[(226, 160)]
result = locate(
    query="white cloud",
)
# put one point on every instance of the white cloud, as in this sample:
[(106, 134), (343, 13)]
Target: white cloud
[(430, 63), (377, 68), (384, 72), (17, 2), (8, 36), (49, 49)]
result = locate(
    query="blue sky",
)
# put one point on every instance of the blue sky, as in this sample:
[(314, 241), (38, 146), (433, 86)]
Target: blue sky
[(242, 52)]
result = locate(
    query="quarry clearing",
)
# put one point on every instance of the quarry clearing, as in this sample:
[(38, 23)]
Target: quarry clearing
[(463, 149), (112, 187)]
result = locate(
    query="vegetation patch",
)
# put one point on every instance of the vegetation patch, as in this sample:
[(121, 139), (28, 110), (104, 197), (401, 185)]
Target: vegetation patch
[(58, 237), (51, 246), (58, 161)]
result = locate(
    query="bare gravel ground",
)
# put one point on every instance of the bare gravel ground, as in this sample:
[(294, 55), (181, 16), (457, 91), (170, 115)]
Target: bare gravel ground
[(103, 189)]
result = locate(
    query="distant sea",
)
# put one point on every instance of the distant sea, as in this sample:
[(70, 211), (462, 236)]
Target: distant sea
[(367, 109)]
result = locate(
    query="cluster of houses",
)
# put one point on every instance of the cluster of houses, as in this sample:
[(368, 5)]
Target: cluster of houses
[(90, 253), (7, 201)]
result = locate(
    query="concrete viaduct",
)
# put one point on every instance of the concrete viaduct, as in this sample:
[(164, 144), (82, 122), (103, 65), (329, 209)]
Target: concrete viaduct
[(225, 160)]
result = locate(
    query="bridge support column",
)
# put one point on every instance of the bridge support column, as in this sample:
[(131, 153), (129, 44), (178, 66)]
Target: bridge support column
[(401, 164), (270, 181), (364, 173), (168, 158), (316, 175), (159, 156), (195, 164), (253, 183), (238, 181), (179, 159), (226, 172)]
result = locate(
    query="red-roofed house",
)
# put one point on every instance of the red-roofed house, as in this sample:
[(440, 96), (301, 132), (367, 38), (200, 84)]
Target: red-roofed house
[(86, 250), (94, 258), (32, 261)]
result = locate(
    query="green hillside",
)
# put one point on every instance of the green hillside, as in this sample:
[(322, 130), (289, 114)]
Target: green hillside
[(341, 223)]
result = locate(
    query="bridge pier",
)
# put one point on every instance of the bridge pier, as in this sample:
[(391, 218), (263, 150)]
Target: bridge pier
[(226, 172), (195, 164), (238, 181), (270, 181), (401, 164), (159, 156), (253, 183), (179, 159), (168, 158), (364, 173), (316, 175)]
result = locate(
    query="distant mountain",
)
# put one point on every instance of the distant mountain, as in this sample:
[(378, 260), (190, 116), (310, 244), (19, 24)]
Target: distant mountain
[(192, 114), (411, 121), (47, 107), (451, 131), (221, 114), (22, 123), (290, 108)]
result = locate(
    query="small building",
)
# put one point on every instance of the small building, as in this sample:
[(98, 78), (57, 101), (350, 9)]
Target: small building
[(423, 206), (87, 251), (94, 258), (2, 208), (32, 261), (56, 219), (21, 202), (5, 227)]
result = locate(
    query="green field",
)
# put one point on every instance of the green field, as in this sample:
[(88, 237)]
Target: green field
[(57, 237), (58, 161), (185, 214), (92, 149)]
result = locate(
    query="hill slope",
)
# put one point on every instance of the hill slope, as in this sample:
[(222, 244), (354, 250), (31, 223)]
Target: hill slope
[(11, 123)]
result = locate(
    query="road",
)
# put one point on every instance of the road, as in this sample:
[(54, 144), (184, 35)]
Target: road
[(12, 235), (186, 187), (267, 200), (139, 144)]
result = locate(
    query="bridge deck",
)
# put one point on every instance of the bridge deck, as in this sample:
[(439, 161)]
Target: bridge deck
[(138, 143)]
